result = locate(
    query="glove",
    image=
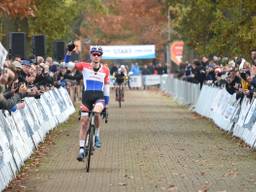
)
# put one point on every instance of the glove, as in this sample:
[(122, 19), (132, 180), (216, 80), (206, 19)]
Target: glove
[(71, 46), (104, 113)]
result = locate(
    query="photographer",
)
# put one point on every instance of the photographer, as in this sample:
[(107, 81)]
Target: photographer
[(8, 100), (233, 82), (43, 78), (245, 84), (210, 74)]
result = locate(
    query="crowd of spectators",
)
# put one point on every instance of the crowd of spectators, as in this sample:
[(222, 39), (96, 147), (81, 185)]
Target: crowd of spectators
[(22, 78), (30, 78), (237, 75)]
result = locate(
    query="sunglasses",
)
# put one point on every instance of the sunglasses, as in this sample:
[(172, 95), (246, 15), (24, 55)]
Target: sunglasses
[(96, 54)]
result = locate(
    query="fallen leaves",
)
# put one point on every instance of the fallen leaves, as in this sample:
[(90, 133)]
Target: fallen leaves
[(122, 184), (172, 188), (128, 177), (205, 187), (231, 173)]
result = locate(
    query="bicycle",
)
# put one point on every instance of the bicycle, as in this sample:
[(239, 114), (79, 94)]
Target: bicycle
[(91, 137), (120, 94)]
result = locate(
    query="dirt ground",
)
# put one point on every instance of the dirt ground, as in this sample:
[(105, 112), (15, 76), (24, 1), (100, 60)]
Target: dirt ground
[(150, 144)]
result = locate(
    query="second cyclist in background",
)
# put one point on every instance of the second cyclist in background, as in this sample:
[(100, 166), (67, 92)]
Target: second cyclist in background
[(120, 78)]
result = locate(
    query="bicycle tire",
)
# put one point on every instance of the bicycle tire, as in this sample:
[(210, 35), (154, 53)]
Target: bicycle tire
[(90, 148), (116, 94), (120, 96), (123, 93)]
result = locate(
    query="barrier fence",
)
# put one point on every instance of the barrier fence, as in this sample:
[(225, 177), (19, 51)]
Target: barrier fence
[(184, 92), (236, 117), (22, 130)]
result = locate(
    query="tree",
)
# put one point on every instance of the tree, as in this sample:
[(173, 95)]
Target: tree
[(60, 19), (53, 19), (225, 27)]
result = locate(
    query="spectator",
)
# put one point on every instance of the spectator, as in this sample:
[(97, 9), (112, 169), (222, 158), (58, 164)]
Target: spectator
[(113, 69), (151, 69), (52, 65), (135, 70), (145, 70), (233, 82), (39, 59), (210, 73), (160, 69)]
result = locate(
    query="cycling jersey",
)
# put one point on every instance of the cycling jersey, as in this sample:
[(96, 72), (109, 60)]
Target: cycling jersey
[(93, 81), (119, 77)]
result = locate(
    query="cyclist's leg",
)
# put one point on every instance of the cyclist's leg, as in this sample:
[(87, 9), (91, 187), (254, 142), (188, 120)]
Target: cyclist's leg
[(116, 89), (99, 106), (83, 132), (83, 123), (85, 107)]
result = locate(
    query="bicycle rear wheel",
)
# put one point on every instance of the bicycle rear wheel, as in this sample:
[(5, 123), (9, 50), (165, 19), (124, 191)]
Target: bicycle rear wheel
[(90, 148)]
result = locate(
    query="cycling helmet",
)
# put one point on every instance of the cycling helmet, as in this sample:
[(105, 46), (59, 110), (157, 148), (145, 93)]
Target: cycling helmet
[(96, 50)]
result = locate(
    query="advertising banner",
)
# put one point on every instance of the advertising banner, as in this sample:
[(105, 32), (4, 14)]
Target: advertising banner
[(135, 81), (23, 128), (176, 51), (129, 52), (67, 99), (151, 80)]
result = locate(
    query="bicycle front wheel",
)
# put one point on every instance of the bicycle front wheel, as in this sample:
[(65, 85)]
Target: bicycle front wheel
[(90, 148)]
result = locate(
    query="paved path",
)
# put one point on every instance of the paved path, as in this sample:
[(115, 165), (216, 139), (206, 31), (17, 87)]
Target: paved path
[(151, 144)]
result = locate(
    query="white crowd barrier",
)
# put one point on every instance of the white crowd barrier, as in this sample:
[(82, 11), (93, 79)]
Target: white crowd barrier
[(184, 92), (228, 113), (23, 130), (234, 116)]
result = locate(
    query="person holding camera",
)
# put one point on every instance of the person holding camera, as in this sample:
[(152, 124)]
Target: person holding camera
[(10, 96), (95, 94)]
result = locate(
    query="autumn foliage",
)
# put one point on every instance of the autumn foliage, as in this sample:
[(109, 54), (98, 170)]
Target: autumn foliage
[(128, 22), (16, 8)]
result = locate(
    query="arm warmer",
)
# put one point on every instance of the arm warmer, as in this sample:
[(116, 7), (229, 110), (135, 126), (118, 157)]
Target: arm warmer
[(68, 63), (106, 93), (67, 58)]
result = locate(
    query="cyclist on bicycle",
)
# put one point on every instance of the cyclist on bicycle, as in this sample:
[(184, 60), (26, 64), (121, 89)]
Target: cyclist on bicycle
[(95, 95), (120, 77)]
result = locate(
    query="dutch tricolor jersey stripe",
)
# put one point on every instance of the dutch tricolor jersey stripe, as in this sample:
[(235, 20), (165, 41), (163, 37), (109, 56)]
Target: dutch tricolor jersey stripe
[(94, 81)]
